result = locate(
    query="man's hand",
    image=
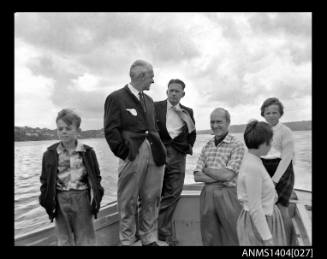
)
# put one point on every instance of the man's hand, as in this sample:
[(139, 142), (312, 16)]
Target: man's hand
[(219, 174), (202, 177)]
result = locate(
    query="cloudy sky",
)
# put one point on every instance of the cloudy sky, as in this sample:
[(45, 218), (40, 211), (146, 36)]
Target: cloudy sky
[(230, 60)]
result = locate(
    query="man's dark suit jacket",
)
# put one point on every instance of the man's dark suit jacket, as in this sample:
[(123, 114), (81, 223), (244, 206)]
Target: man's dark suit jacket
[(126, 126), (184, 141)]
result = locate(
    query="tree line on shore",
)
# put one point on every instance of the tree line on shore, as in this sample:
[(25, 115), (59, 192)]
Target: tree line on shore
[(34, 134)]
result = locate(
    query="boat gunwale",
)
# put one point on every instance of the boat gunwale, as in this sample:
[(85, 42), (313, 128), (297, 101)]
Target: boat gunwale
[(108, 214)]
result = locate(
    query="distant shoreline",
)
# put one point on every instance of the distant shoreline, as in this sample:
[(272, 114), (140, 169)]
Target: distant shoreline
[(37, 134), (294, 126)]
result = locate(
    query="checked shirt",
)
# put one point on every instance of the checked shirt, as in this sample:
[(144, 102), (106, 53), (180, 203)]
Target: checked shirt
[(227, 154)]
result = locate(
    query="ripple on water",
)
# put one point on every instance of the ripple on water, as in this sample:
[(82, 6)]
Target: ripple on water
[(28, 225), (26, 198), (26, 192), (29, 210)]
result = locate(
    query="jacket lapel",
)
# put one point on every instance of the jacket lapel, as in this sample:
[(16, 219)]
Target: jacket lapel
[(131, 94), (135, 99), (163, 112)]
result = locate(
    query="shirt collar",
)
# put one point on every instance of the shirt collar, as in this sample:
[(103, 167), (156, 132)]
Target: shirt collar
[(134, 91), (79, 148), (228, 139), (252, 155), (277, 126), (169, 105)]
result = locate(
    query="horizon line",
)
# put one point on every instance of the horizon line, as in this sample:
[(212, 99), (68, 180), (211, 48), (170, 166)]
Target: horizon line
[(198, 129)]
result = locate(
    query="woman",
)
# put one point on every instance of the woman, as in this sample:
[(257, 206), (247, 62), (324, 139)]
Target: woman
[(260, 222), (278, 161)]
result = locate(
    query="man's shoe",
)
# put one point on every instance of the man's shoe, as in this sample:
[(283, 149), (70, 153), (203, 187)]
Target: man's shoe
[(152, 244), (162, 243), (172, 242), (169, 241), (137, 243)]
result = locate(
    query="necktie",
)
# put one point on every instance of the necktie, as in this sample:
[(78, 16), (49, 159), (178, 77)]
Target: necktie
[(142, 101), (186, 118)]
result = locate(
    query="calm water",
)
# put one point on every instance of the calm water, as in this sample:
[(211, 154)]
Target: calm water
[(29, 215)]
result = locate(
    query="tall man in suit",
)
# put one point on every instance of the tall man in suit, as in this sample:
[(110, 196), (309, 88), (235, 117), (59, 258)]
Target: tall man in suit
[(129, 127), (177, 131)]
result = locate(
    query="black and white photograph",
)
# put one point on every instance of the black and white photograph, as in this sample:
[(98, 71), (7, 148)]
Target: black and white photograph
[(163, 129)]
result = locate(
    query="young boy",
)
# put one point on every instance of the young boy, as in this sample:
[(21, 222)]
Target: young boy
[(70, 184)]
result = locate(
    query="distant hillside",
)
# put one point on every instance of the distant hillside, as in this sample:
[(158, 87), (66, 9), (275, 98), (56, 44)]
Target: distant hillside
[(294, 126), (31, 134)]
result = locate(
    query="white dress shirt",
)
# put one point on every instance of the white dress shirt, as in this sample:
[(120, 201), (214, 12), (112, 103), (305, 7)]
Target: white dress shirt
[(174, 123), (134, 91), (282, 135), (282, 147)]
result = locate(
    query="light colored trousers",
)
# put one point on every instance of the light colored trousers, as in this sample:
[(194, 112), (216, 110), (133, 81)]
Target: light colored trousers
[(139, 181), (74, 219), (219, 211)]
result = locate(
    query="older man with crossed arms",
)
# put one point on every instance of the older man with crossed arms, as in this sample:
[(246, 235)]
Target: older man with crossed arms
[(218, 167)]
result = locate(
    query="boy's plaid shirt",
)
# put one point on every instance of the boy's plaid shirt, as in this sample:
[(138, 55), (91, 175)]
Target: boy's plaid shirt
[(72, 173), (228, 154)]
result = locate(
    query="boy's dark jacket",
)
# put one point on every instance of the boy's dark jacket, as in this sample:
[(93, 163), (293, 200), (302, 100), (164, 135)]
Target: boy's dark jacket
[(48, 179)]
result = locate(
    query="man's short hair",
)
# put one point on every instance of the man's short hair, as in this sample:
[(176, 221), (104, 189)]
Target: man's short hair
[(257, 133), (227, 115), (138, 68), (271, 101), (69, 117), (177, 81)]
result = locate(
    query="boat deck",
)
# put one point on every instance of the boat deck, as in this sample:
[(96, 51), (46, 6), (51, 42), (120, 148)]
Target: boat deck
[(186, 222)]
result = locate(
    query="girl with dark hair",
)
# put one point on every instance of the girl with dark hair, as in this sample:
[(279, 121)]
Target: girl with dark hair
[(260, 222)]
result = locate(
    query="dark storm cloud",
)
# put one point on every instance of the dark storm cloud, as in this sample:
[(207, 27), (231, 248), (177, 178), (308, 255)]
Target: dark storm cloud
[(47, 66), (64, 94), (89, 104), (229, 59), (104, 41), (101, 44)]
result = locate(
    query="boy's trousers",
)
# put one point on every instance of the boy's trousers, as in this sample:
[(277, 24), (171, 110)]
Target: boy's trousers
[(74, 223), (139, 186)]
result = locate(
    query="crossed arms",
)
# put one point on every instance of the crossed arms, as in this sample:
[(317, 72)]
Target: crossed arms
[(210, 175), (209, 169)]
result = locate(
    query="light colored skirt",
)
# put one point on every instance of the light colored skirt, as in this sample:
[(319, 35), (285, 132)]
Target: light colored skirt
[(248, 234)]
